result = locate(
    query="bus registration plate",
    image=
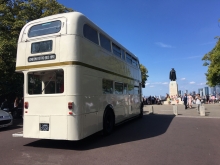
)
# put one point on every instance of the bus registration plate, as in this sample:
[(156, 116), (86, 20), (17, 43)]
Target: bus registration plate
[(44, 126)]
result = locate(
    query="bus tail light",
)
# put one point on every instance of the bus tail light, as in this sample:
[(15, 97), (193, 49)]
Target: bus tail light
[(26, 105), (70, 105)]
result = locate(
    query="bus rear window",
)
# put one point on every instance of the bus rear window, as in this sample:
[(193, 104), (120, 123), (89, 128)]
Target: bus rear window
[(43, 46), (46, 82), (44, 29)]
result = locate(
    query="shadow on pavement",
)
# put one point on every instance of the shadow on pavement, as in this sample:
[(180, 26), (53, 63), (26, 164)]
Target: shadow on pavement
[(207, 113), (149, 126)]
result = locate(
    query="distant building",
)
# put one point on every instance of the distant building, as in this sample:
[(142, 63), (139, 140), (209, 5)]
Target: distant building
[(206, 91), (217, 90), (200, 91), (186, 91), (213, 90)]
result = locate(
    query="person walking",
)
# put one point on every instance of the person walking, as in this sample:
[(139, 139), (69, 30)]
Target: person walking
[(168, 99), (189, 100), (185, 100), (198, 102)]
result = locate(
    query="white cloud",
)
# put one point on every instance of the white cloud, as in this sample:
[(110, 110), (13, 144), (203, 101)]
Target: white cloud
[(165, 83), (157, 83), (163, 45), (192, 82), (147, 83), (201, 84), (151, 86), (183, 78)]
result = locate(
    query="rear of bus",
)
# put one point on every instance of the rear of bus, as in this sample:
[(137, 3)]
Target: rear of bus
[(44, 56)]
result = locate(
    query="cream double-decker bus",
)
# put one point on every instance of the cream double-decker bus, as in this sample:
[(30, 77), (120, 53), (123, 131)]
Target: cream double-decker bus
[(77, 79)]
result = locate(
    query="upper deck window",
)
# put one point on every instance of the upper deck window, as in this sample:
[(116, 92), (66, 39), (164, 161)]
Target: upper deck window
[(116, 50), (128, 58), (43, 46), (134, 62), (105, 42), (90, 33), (45, 28)]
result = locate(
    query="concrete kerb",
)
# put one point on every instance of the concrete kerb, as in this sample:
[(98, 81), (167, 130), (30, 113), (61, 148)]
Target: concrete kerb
[(202, 110)]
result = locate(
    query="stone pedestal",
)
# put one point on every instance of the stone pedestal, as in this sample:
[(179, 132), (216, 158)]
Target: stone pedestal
[(202, 111), (175, 110), (173, 89)]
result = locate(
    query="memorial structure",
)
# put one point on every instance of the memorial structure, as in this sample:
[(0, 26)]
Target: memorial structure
[(173, 89)]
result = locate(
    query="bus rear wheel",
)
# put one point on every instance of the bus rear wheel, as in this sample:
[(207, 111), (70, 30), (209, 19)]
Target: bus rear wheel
[(141, 111), (108, 122)]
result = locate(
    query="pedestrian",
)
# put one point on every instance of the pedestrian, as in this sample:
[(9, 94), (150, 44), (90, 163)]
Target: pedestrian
[(198, 102), (16, 102), (189, 100), (185, 100), (168, 99), (213, 99)]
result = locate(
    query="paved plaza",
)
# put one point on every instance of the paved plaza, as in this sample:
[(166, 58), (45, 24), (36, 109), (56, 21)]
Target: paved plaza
[(211, 110)]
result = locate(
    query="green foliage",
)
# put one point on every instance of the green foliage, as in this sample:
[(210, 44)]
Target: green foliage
[(212, 60), (14, 14), (144, 73)]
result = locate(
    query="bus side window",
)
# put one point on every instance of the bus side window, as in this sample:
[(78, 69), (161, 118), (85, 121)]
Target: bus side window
[(105, 42), (125, 89), (90, 34), (107, 86)]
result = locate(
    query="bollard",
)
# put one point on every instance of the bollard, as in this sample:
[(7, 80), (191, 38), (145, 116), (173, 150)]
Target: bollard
[(175, 110), (151, 109), (202, 110)]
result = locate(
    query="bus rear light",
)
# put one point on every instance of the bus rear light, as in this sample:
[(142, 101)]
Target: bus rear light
[(26, 111), (70, 113), (26, 105), (70, 105)]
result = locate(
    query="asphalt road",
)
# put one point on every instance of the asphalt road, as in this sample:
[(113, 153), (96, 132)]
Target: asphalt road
[(156, 139)]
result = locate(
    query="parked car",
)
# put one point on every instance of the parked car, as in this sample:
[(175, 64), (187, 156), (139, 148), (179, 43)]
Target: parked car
[(16, 112), (6, 119)]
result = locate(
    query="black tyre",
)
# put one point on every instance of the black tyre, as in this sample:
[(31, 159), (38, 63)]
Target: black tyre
[(108, 122), (141, 111)]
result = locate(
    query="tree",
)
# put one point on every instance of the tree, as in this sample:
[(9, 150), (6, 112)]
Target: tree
[(212, 60), (144, 73), (14, 14)]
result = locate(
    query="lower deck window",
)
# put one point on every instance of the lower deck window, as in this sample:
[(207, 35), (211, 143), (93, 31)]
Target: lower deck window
[(107, 86), (46, 82)]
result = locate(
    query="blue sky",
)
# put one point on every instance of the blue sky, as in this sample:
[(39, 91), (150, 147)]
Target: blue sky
[(163, 34)]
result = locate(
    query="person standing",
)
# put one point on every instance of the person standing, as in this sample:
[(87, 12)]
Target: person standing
[(16, 102), (198, 102), (185, 100), (207, 99)]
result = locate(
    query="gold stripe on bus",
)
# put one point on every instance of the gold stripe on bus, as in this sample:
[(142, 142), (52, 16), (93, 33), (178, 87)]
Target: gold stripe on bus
[(19, 68)]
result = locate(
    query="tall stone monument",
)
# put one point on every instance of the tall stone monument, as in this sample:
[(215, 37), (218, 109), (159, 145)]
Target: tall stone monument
[(173, 90)]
